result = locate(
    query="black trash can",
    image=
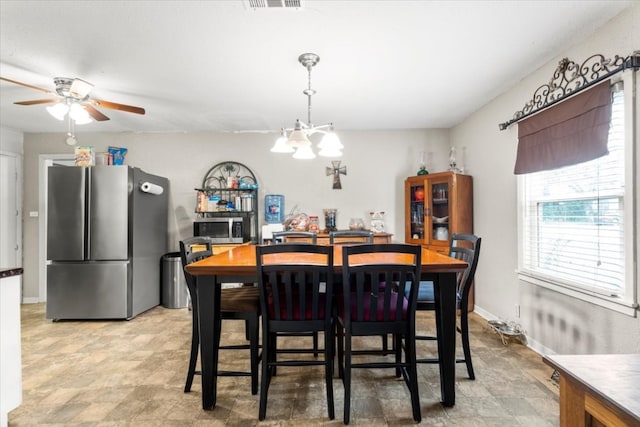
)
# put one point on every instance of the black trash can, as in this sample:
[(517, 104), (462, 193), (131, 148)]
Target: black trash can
[(174, 292)]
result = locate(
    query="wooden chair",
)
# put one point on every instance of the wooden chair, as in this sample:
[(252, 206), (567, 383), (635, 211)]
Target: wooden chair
[(295, 296), (367, 310), (350, 237), (467, 248), (241, 303)]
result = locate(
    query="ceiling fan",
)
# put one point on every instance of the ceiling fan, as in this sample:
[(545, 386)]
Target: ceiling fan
[(70, 92)]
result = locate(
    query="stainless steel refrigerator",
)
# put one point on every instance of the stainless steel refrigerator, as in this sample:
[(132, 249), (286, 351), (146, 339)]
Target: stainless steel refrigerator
[(106, 234)]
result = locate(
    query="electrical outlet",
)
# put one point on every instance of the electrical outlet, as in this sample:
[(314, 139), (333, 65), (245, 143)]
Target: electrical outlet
[(518, 311)]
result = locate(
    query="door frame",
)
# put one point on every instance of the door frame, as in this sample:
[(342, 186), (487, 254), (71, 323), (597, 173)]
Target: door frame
[(17, 158), (44, 161)]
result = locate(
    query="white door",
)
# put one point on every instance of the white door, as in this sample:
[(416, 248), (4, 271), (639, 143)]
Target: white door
[(9, 213)]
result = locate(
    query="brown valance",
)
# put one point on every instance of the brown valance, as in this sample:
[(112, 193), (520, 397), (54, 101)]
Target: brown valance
[(571, 132)]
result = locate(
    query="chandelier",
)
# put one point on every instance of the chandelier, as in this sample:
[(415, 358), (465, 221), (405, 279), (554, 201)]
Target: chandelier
[(296, 140)]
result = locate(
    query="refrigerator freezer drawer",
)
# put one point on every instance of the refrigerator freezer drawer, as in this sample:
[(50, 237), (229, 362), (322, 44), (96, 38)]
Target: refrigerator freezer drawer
[(88, 290)]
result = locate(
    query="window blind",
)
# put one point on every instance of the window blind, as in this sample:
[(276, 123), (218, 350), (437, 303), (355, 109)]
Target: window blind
[(574, 218)]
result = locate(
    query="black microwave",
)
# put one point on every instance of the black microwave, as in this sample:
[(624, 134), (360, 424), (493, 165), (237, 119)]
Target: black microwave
[(228, 229)]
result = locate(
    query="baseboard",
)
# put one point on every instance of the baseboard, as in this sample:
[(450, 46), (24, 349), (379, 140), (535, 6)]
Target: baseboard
[(30, 300), (531, 343)]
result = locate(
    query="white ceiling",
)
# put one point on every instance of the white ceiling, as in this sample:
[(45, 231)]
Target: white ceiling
[(222, 66)]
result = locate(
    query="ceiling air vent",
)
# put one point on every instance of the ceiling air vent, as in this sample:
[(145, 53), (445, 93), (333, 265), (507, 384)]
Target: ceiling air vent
[(268, 4)]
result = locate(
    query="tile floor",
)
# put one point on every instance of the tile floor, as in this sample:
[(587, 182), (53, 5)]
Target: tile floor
[(131, 373)]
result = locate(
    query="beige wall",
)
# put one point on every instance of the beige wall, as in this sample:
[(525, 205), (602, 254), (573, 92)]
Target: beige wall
[(377, 164), (554, 322)]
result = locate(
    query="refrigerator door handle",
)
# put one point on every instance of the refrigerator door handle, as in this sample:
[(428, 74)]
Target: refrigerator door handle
[(87, 222)]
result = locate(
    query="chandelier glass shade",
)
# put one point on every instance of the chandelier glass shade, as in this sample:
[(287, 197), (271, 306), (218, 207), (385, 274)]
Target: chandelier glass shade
[(304, 153), (296, 140), (282, 145)]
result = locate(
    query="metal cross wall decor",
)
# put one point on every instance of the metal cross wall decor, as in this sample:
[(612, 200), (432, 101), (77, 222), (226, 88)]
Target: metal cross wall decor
[(336, 170)]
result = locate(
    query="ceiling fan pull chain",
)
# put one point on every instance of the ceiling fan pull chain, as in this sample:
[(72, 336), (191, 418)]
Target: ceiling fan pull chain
[(71, 137), (309, 92)]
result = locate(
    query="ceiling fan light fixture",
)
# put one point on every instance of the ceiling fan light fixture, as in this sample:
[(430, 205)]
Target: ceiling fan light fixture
[(58, 110), (79, 115)]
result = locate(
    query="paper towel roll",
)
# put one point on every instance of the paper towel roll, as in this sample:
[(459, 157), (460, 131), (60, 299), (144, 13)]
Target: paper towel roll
[(147, 187)]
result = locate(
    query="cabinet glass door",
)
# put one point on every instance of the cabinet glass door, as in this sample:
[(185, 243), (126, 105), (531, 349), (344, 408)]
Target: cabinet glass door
[(440, 211), (416, 218)]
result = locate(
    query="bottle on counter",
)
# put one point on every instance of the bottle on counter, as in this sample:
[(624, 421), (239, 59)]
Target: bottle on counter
[(314, 224), (330, 219)]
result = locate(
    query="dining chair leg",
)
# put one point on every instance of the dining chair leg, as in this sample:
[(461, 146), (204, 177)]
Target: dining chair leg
[(315, 344), (340, 339), (328, 373), (412, 373), (346, 378), (397, 348), (254, 351), (195, 347), (464, 331), (274, 350), (266, 375)]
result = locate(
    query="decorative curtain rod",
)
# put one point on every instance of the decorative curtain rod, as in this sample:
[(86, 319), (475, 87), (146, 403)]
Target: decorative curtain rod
[(571, 78)]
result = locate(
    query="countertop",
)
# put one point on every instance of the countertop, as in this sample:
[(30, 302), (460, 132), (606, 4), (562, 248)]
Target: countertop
[(8, 272), (612, 377)]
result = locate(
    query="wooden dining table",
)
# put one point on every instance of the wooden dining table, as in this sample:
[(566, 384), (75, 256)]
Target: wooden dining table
[(238, 265)]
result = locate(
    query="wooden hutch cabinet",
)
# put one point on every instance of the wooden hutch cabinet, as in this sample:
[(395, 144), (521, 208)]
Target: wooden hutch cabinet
[(436, 206)]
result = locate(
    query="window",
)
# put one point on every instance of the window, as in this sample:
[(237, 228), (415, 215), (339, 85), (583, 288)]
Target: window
[(576, 224)]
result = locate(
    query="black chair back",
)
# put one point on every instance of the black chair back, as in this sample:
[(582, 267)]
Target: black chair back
[(465, 247), (296, 291), (191, 250), (393, 279)]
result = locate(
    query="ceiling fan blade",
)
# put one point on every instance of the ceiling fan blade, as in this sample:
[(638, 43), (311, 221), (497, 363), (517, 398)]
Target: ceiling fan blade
[(37, 101), (121, 107), (95, 114), (27, 85)]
